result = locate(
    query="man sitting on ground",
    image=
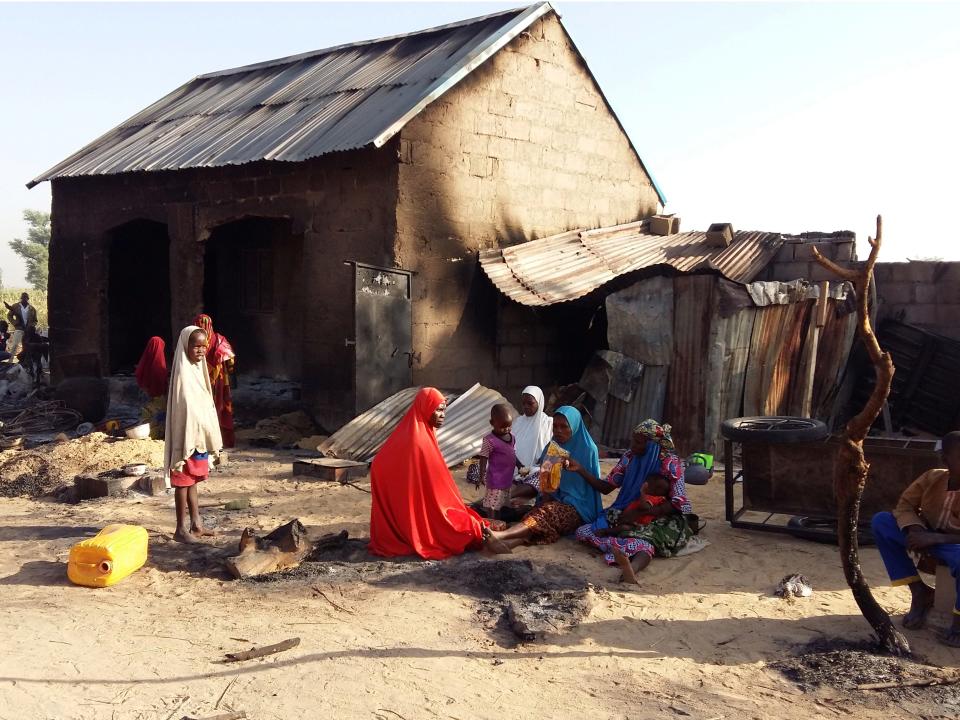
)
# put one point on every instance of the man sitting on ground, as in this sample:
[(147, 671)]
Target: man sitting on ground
[(926, 520)]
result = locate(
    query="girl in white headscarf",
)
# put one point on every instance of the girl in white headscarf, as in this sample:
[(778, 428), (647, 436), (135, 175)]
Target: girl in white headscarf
[(533, 429), (192, 436)]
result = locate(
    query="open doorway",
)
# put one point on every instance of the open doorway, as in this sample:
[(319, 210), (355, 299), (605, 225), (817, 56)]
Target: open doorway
[(253, 290), (138, 290)]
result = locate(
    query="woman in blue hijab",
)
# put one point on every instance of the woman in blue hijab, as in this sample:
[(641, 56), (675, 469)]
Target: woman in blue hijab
[(577, 500)]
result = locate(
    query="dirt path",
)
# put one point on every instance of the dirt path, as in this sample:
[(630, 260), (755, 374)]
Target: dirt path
[(694, 641)]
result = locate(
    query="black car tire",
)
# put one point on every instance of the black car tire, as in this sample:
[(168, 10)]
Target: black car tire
[(774, 428)]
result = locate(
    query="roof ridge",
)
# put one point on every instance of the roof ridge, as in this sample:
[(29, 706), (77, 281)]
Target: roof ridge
[(290, 59)]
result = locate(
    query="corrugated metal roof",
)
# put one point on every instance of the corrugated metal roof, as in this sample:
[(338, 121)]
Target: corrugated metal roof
[(300, 107), (569, 265), (467, 421)]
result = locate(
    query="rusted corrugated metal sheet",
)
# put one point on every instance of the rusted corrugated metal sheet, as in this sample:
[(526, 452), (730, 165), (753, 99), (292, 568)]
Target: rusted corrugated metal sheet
[(729, 351), (467, 421), (569, 265), (647, 402), (836, 340), (779, 332), (640, 321), (299, 107), (686, 405)]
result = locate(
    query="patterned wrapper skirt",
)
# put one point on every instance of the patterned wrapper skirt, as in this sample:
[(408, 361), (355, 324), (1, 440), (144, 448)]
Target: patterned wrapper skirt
[(551, 520)]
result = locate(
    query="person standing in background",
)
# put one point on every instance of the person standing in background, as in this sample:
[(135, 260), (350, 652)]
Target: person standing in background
[(22, 316)]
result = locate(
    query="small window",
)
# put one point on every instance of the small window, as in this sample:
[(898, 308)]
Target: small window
[(257, 281)]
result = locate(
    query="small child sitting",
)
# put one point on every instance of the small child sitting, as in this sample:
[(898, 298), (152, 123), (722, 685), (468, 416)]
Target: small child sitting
[(654, 492), (498, 460)]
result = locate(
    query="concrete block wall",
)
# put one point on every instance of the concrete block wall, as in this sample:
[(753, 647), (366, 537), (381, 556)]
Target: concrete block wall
[(925, 294), (795, 259), (343, 206), (524, 147), (526, 350)]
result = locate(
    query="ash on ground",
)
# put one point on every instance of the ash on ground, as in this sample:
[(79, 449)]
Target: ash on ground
[(528, 600), (845, 665)]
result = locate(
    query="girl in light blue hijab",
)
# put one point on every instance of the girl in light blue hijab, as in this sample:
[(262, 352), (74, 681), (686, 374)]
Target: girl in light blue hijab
[(577, 499)]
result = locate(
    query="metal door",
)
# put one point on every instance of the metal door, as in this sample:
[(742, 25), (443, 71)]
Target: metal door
[(382, 313)]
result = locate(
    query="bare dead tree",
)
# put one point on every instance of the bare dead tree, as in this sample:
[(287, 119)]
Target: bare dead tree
[(850, 474)]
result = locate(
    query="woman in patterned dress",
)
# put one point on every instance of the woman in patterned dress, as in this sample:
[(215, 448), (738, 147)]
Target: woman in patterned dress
[(576, 501), (651, 451)]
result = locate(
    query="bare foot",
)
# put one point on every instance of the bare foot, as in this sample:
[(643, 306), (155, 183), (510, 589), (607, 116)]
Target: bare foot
[(920, 607), (200, 531), (627, 575), (185, 537), (495, 545)]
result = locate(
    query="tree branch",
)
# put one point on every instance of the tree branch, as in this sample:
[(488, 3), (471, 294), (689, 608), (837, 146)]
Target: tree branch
[(850, 472)]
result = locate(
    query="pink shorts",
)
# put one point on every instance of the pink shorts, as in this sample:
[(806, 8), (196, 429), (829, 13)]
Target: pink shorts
[(194, 471)]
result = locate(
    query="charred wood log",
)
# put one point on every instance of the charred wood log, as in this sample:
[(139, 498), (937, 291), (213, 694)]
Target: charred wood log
[(283, 548)]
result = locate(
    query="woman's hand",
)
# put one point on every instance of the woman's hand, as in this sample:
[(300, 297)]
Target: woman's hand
[(572, 465)]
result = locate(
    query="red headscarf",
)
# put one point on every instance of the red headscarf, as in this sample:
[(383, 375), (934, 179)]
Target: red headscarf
[(417, 508), (218, 347), (151, 371)]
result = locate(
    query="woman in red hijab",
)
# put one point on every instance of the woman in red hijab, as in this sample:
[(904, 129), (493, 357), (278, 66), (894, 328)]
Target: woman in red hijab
[(152, 377), (220, 364), (417, 509)]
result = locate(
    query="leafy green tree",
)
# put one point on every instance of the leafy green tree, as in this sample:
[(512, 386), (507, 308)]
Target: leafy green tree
[(35, 250)]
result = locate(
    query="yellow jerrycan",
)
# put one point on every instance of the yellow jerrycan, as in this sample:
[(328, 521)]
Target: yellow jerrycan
[(109, 556)]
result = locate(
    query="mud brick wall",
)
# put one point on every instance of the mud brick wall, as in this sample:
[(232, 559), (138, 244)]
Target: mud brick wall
[(925, 294), (525, 147), (342, 205)]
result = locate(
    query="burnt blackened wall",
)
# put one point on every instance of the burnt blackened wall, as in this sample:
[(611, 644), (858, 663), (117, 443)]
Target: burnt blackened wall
[(338, 208), (524, 147)]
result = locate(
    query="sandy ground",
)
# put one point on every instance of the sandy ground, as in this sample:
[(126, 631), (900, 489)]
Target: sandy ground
[(693, 641)]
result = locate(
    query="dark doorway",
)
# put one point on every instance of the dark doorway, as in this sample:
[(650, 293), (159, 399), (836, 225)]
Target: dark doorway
[(138, 294), (253, 290)]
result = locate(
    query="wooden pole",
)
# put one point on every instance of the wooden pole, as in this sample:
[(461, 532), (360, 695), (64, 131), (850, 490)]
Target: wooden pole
[(812, 348), (850, 473)]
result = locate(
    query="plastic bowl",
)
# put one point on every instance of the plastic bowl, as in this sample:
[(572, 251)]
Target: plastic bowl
[(138, 432), (134, 469)]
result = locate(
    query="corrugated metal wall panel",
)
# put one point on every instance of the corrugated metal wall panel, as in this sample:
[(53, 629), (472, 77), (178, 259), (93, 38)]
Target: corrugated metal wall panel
[(621, 417), (640, 321), (836, 341), (779, 332), (686, 406), (729, 353)]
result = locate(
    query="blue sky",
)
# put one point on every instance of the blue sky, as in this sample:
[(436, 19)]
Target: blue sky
[(781, 117)]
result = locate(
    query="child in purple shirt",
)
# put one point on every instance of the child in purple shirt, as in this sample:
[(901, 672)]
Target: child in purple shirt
[(498, 460)]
